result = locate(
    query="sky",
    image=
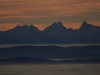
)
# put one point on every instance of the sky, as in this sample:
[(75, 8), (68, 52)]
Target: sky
[(42, 13)]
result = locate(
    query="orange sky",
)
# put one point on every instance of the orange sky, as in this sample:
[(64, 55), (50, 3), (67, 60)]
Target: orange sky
[(42, 13)]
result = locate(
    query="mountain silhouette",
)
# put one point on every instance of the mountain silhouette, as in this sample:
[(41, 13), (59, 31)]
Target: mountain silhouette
[(24, 60), (55, 27), (51, 52), (56, 30), (88, 27), (29, 60), (24, 30), (84, 25), (21, 33), (56, 33)]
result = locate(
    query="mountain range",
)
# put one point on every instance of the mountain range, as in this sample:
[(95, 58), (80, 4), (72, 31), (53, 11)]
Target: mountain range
[(52, 52), (24, 60), (56, 33), (28, 60)]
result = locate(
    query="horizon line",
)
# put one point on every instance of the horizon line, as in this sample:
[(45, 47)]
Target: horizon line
[(48, 26)]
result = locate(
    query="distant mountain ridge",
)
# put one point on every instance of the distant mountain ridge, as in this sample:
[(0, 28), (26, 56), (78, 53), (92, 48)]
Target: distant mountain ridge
[(24, 60), (28, 60), (56, 33), (51, 52)]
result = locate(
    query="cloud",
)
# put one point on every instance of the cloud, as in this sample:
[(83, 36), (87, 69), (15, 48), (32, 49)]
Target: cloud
[(44, 7)]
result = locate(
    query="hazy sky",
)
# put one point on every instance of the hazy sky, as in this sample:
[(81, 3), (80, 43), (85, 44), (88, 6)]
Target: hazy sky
[(42, 13)]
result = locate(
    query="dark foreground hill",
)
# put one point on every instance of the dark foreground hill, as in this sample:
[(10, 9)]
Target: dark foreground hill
[(27, 60), (52, 52), (56, 33), (24, 60)]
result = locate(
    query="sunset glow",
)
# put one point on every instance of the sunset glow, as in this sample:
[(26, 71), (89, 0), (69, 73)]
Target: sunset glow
[(42, 13)]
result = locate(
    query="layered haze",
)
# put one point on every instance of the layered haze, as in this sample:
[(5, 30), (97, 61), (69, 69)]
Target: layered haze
[(43, 13)]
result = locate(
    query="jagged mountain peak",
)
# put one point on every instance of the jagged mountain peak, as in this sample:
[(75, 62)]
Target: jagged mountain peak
[(31, 25), (28, 26), (18, 26), (84, 22), (89, 27), (59, 22), (24, 29), (85, 26), (56, 29), (25, 26), (56, 25), (53, 24)]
